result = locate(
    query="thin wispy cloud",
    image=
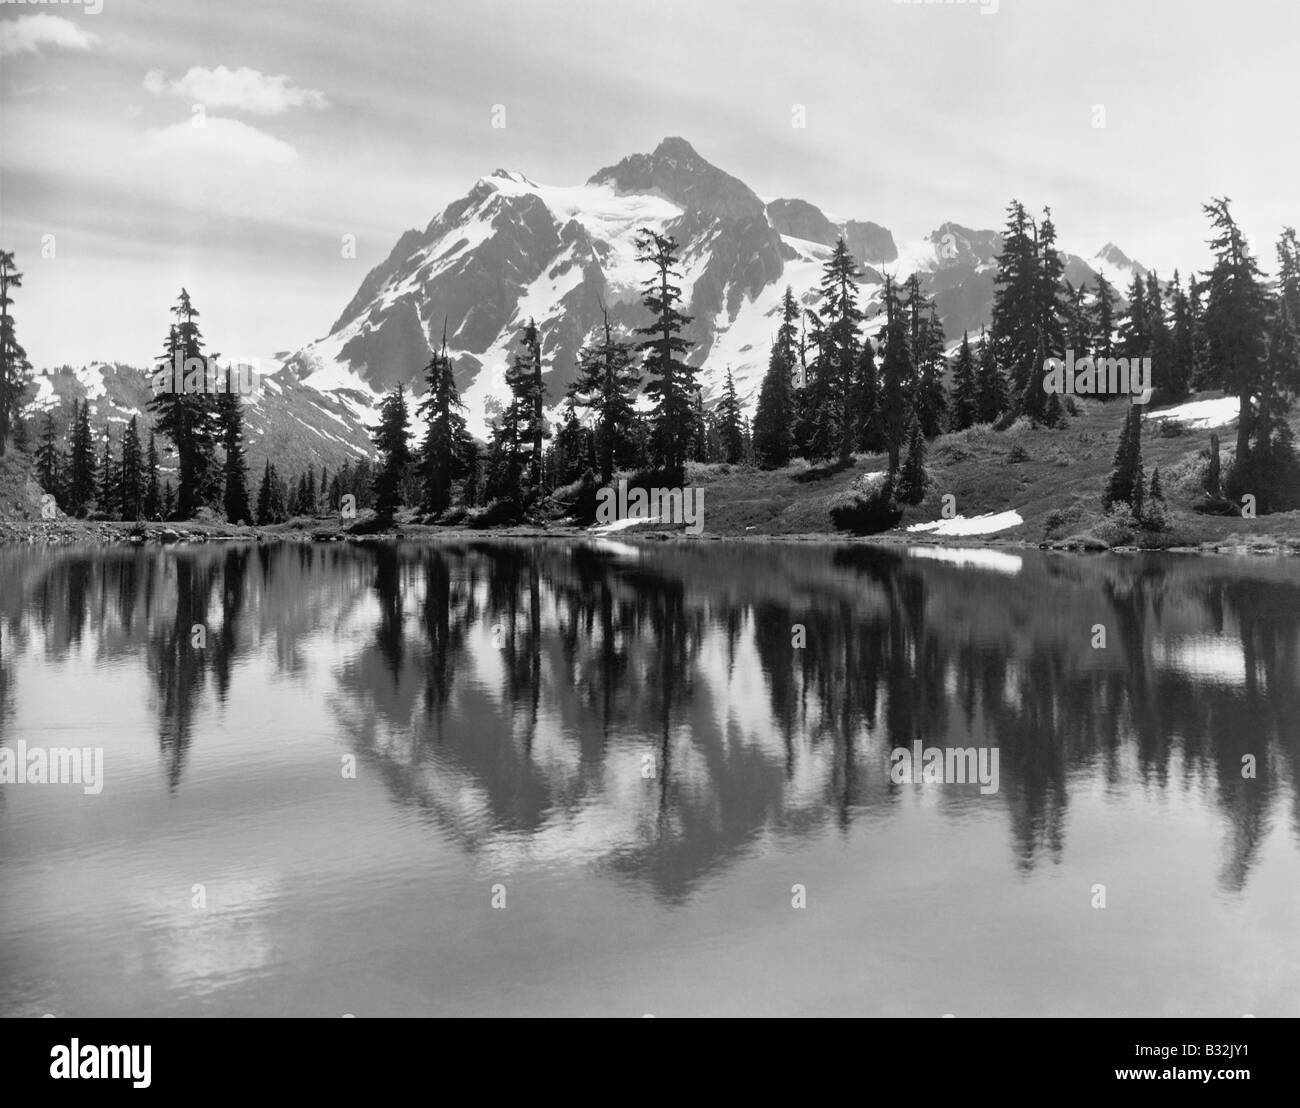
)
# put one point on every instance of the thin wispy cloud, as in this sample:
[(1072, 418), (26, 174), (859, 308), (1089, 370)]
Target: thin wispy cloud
[(241, 89), (31, 34)]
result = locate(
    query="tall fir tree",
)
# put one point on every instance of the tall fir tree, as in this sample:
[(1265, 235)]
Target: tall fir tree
[(991, 382), (1103, 320), (81, 463), (107, 496), (48, 459), (910, 487), (728, 414), (153, 504), (265, 492), (1126, 481), (186, 412), (1236, 316), (606, 384), (842, 343), (525, 380), (230, 424), (131, 484), (671, 385), (391, 439), (444, 454), (14, 366), (774, 417), (895, 373), (965, 387)]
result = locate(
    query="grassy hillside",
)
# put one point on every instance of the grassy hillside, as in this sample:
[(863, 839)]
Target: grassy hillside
[(1036, 472)]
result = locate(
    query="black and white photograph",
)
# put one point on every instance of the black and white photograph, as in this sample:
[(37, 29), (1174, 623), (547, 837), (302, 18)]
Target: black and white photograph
[(649, 510)]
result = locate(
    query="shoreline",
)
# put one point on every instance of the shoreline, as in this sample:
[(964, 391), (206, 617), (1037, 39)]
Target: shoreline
[(72, 532)]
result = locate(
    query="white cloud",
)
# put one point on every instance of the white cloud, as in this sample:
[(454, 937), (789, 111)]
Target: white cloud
[(242, 89), (223, 139), (28, 33)]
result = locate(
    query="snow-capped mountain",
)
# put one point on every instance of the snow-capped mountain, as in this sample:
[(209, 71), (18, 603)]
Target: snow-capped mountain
[(513, 249)]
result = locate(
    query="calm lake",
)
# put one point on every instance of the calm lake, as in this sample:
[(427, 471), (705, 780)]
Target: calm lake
[(554, 778)]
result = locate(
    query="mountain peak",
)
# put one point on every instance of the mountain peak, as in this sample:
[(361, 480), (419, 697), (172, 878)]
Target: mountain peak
[(1113, 255), (677, 172)]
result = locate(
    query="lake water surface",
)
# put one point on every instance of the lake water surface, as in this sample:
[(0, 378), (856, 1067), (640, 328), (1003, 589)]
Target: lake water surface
[(552, 778)]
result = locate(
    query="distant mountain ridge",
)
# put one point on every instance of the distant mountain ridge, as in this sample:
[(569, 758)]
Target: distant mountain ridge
[(511, 249)]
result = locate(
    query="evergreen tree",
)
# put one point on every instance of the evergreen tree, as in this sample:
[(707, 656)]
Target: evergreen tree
[(895, 373), (819, 407), (728, 414), (525, 380), (169, 500), (308, 506), (965, 387), (1078, 320), (390, 439), (910, 488), (106, 485), (1125, 484), (186, 413), (48, 459), (606, 384), (1135, 330), (672, 386), (864, 402), (841, 344), (1103, 320), (774, 417), (1236, 315), (928, 364), (81, 463), (992, 385), (230, 422), (14, 365), (1015, 332), (131, 486), (788, 336), (445, 451), (1050, 311), (1182, 342), (265, 492), (153, 504), (572, 447)]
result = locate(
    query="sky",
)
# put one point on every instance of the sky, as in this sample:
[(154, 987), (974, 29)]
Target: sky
[(266, 155)]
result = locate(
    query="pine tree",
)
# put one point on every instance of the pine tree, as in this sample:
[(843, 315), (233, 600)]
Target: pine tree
[(1050, 313), (788, 336), (230, 423), (525, 380), (1015, 333), (1125, 484), (106, 484), (186, 413), (1182, 342), (1078, 320), (1236, 314), (81, 463), (820, 410), (48, 459), (265, 491), (607, 382), (928, 364), (444, 453), (965, 387), (153, 504), (14, 366), (1135, 330), (895, 373), (864, 402), (910, 488), (131, 486), (1103, 320), (672, 386), (842, 343), (774, 417), (390, 439), (991, 383), (728, 415), (169, 500)]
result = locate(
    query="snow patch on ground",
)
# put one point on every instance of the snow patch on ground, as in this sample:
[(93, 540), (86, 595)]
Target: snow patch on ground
[(977, 525), (1202, 414), (621, 524)]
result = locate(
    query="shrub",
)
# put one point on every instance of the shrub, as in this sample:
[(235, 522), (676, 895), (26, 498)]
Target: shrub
[(497, 513), (1118, 527), (1061, 520), (1017, 454), (869, 513)]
